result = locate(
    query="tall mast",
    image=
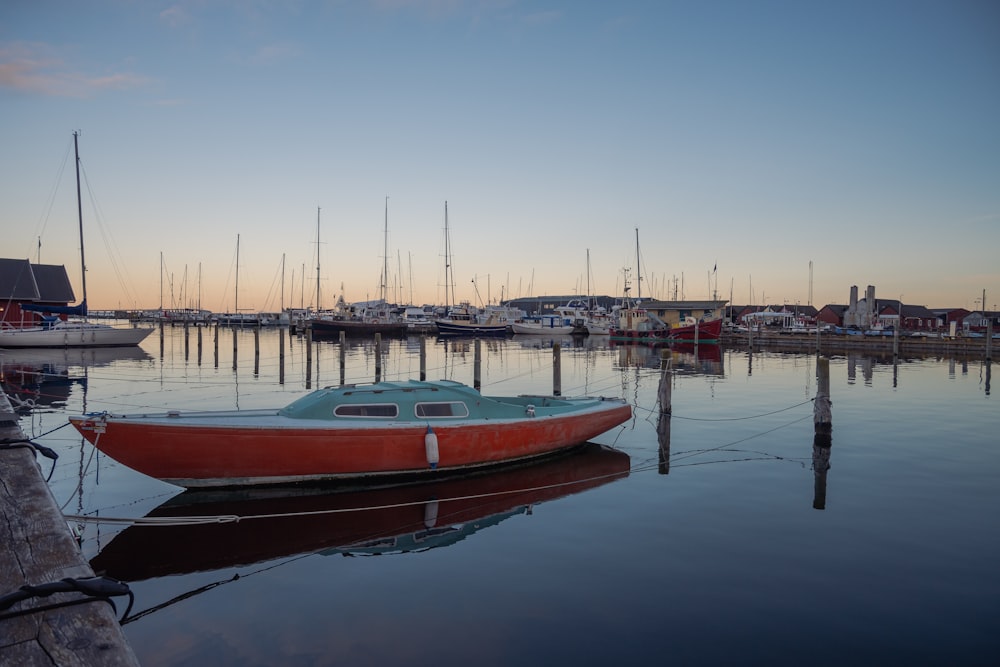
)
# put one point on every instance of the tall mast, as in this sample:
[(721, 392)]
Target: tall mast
[(161, 282), (638, 264), (447, 259), (282, 282), (385, 252), (79, 215), (236, 302), (317, 260), (199, 286)]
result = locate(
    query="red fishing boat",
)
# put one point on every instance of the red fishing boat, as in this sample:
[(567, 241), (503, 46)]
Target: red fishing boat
[(639, 325), (385, 429)]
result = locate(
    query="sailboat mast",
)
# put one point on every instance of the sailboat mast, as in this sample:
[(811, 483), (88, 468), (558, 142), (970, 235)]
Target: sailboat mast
[(317, 260), (236, 300), (282, 282), (385, 252), (638, 264), (447, 260), (79, 215)]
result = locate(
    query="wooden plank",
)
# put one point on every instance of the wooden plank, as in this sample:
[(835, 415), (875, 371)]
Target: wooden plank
[(37, 547)]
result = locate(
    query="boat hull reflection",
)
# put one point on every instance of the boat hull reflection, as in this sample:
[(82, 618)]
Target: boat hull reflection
[(281, 522)]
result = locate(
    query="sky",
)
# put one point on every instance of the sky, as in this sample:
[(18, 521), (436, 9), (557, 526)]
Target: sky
[(764, 152)]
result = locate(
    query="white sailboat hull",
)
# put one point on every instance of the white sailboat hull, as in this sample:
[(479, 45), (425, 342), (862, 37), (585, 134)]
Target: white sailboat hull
[(73, 334)]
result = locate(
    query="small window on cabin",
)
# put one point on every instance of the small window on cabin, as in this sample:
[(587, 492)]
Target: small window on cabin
[(444, 409), (382, 410)]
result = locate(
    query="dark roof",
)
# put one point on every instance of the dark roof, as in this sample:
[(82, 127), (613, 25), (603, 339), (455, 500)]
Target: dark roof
[(836, 308), (17, 281), (53, 283), (682, 305), (22, 281)]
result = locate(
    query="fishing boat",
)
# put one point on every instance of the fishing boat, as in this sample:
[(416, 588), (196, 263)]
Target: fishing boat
[(57, 332), (224, 528), (385, 429), (639, 325)]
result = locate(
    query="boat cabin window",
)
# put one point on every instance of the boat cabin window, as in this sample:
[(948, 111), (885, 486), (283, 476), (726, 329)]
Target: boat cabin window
[(381, 410), (442, 409)]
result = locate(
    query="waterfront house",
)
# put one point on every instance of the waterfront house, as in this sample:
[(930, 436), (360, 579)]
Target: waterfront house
[(832, 314), (22, 283)]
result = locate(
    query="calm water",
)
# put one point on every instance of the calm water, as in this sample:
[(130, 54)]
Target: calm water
[(723, 539)]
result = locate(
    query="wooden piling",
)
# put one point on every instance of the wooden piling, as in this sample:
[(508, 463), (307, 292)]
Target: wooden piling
[(477, 365), (663, 395), (989, 339), (187, 344), (199, 346), (216, 343), (556, 369), (822, 415), (234, 348), (309, 356), (423, 358), (281, 355), (256, 350), (343, 358), (161, 339), (378, 357)]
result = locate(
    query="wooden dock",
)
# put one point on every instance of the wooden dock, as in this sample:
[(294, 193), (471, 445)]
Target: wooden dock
[(37, 547)]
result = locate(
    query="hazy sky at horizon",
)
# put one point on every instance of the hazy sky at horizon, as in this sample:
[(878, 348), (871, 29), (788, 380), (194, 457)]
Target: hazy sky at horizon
[(752, 136)]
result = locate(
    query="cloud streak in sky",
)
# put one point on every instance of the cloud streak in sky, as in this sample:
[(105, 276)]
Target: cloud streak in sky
[(36, 69)]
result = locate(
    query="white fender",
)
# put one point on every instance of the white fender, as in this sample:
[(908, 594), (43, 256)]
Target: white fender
[(431, 445)]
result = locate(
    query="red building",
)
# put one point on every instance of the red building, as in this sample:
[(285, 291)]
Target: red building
[(22, 282)]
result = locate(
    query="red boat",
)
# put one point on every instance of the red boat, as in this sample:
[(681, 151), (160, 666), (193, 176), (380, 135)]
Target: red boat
[(640, 326), (400, 429)]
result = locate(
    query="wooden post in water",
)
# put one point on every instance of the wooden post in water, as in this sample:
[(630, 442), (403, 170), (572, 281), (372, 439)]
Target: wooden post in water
[(378, 357), (199, 345), (663, 422), (161, 339), (256, 350), (556, 369), (477, 364), (281, 355), (309, 356), (234, 348), (989, 338), (822, 415), (822, 440), (343, 358), (187, 345), (423, 358), (216, 344)]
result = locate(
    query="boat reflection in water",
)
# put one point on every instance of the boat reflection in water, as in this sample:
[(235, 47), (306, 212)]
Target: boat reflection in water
[(40, 379), (284, 521)]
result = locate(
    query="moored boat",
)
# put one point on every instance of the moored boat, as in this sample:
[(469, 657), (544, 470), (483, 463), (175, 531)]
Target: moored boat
[(54, 330), (385, 429), (637, 324), (546, 325)]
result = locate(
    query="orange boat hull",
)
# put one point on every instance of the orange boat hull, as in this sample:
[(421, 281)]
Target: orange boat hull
[(230, 455)]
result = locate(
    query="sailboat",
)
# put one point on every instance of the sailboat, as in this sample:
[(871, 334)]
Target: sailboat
[(369, 318), (55, 332), (460, 319)]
